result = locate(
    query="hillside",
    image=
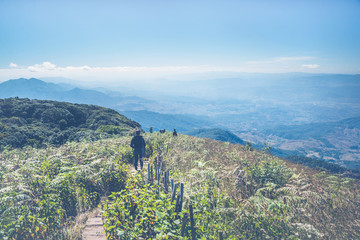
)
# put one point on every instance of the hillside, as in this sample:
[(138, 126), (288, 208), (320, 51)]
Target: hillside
[(227, 136), (216, 134), (25, 122), (244, 194)]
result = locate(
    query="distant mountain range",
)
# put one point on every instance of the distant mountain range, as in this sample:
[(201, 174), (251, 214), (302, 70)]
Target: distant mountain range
[(36, 89), (298, 114)]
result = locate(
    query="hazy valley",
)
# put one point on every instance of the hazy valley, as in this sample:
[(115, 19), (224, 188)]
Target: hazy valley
[(298, 114)]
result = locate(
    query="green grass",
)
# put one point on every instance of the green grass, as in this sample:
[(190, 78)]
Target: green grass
[(246, 194)]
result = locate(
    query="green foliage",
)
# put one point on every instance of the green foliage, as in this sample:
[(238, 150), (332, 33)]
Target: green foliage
[(141, 212), (42, 190), (246, 194), (268, 171), (23, 217), (36, 123), (213, 211), (249, 146), (55, 115), (113, 176)]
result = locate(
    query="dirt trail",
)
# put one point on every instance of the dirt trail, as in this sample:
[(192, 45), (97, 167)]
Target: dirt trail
[(132, 169), (94, 229)]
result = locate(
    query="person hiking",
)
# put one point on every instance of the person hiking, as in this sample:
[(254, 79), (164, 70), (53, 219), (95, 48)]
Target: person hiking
[(174, 133), (138, 144)]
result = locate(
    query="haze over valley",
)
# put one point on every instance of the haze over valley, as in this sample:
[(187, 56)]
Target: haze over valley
[(313, 115)]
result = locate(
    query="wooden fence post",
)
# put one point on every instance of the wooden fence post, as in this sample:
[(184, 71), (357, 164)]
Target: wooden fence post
[(166, 181), (177, 204), (221, 237), (192, 222), (181, 196), (185, 219), (174, 192), (160, 168), (158, 174), (151, 174), (168, 177), (155, 167)]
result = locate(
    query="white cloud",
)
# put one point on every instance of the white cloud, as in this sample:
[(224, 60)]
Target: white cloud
[(145, 73), (300, 58), (279, 64), (283, 64), (71, 68), (282, 60), (45, 66), (103, 74), (310, 66), (48, 67)]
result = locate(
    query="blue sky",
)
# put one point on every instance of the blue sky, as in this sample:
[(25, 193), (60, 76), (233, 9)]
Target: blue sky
[(148, 37)]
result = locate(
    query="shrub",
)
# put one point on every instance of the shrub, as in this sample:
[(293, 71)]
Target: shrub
[(268, 171), (143, 212)]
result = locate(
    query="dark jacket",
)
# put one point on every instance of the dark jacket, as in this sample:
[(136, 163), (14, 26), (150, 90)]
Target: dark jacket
[(137, 143)]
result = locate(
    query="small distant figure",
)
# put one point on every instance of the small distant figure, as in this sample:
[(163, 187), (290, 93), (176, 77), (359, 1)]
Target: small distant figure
[(138, 144), (162, 131), (174, 133)]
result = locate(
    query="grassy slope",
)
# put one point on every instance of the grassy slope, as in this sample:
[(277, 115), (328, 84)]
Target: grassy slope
[(251, 194), (325, 206)]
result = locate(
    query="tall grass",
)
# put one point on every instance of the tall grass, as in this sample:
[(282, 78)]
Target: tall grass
[(244, 193), (273, 198), (44, 190)]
